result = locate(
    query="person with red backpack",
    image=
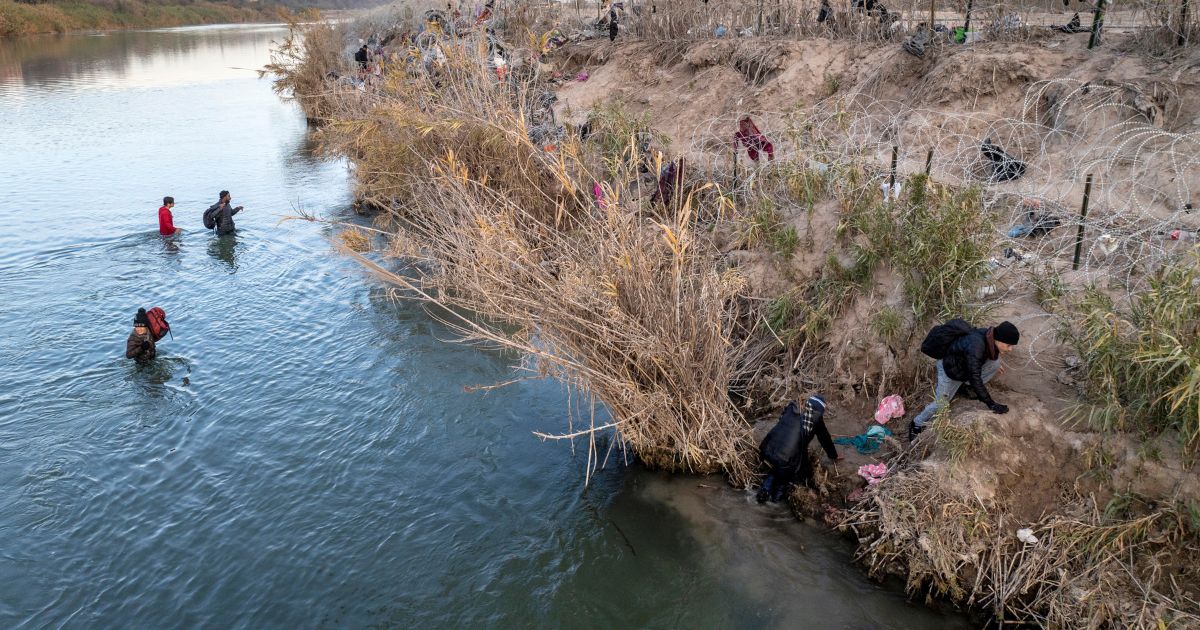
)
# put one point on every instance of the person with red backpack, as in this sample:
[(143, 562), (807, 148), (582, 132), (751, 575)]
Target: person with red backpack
[(140, 344), (148, 327), (964, 355)]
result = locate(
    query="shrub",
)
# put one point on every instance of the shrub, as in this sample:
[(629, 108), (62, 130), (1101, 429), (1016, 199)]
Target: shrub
[(938, 238), (766, 228), (1141, 361)]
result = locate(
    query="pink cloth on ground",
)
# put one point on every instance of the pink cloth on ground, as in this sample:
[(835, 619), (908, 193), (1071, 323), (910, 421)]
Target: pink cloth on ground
[(890, 407), (873, 473), (598, 193)]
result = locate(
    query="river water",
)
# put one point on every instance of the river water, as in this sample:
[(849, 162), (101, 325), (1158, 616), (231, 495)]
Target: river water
[(303, 453)]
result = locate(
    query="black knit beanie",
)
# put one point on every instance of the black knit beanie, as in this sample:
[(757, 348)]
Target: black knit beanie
[(141, 319), (1006, 333)]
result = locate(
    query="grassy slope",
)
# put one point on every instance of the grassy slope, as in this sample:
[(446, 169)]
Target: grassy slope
[(60, 17)]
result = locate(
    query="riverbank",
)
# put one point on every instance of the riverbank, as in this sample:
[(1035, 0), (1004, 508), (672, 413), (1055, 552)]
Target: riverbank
[(18, 18), (604, 215)]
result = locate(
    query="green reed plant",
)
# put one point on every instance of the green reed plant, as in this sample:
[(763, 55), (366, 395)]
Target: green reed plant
[(937, 237), (1141, 361)]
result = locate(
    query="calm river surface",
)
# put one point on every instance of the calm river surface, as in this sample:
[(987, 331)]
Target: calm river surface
[(302, 453)]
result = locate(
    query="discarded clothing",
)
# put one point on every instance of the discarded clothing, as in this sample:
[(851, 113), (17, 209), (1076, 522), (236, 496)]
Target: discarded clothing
[(1181, 235), (890, 407), (866, 443), (1071, 27), (1035, 224), (598, 194), (825, 13), (873, 473), (551, 40), (916, 44), (668, 178), (1005, 167), (749, 135)]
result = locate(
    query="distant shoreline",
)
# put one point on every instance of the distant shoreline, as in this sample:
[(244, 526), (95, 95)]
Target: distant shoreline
[(19, 19)]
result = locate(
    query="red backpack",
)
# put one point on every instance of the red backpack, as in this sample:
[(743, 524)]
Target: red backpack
[(158, 323)]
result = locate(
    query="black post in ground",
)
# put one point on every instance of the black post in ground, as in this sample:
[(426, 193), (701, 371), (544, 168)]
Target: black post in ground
[(1087, 194), (1183, 18), (735, 163), (892, 180), (928, 162), (967, 23), (1097, 23)]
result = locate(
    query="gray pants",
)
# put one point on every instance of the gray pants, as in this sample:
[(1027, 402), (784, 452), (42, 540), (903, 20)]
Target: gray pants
[(948, 387)]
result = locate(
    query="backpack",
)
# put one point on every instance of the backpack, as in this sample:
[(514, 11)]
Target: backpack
[(158, 323), (937, 343), (210, 217)]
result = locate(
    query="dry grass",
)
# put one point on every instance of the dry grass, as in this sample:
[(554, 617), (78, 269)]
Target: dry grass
[(1088, 569), (301, 65), (625, 303), (29, 18), (629, 303)]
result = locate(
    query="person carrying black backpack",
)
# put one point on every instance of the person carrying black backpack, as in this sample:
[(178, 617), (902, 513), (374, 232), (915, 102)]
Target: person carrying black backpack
[(219, 216), (964, 355), (785, 449)]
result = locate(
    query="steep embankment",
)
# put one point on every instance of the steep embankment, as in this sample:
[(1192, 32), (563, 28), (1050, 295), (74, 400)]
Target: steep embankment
[(1116, 511), (62, 17), (689, 314)]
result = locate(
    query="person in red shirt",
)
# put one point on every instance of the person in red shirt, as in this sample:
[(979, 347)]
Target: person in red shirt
[(166, 224)]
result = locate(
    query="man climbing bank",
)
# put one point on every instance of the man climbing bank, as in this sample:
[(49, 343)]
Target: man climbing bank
[(964, 355), (785, 449)]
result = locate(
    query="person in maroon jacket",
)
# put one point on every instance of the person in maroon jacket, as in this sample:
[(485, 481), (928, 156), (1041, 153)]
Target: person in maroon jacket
[(166, 223)]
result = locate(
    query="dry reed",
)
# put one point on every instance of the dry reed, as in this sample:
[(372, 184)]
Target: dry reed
[(1088, 569), (623, 300)]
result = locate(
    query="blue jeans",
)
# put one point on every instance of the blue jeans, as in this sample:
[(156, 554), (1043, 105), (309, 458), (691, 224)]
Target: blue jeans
[(948, 387)]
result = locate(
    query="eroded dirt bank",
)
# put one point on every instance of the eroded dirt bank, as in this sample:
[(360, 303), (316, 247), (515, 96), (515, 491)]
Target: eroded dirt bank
[(694, 316)]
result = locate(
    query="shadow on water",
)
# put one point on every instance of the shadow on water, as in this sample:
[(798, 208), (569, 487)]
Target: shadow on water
[(171, 245), (160, 377), (225, 249)]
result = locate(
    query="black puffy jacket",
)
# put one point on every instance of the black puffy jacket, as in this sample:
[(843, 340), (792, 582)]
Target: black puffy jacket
[(964, 362), (786, 445)]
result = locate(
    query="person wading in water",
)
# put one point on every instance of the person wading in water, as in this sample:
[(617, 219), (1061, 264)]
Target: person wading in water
[(220, 214), (785, 449), (140, 345), (166, 223)]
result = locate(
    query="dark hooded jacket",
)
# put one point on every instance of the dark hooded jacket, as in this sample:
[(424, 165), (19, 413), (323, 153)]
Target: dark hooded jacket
[(786, 446), (140, 347), (965, 358), (224, 217)]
